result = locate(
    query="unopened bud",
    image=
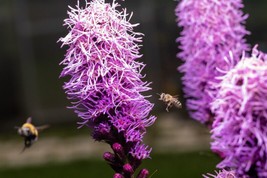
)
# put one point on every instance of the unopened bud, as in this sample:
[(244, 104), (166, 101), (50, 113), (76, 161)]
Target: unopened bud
[(118, 175), (118, 149), (143, 173), (109, 157), (128, 169)]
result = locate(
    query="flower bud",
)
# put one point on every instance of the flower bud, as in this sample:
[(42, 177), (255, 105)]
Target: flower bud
[(143, 173), (118, 149), (109, 157), (118, 175), (128, 169)]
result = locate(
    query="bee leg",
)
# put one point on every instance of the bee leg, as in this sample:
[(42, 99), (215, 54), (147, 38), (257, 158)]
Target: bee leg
[(27, 143), (167, 109), (35, 139), (23, 149), (168, 105)]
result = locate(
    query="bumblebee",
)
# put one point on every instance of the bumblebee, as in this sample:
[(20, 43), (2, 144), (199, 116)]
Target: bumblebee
[(29, 132), (170, 101)]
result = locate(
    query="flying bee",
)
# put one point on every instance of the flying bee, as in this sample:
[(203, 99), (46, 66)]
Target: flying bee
[(29, 132), (170, 100)]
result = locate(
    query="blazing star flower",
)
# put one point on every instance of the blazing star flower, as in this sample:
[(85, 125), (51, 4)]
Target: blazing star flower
[(239, 130), (210, 29), (105, 83), (221, 174)]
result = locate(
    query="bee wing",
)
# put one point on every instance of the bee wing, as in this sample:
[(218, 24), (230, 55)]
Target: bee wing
[(29, 120), (16, 127), (42, 127)]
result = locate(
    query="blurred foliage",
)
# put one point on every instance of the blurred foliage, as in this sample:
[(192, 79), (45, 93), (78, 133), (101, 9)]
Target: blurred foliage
[(189, 165)]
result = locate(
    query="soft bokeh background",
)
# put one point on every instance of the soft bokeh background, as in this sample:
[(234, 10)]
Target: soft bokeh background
[(29, 70)]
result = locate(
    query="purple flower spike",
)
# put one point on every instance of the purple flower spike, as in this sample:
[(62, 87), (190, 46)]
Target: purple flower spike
[(221, 174), (105, 82), (240, 126), (210, 29)]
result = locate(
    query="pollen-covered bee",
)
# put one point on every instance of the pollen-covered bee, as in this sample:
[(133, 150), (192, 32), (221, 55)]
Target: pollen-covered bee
[(29, 132), (170, 100)]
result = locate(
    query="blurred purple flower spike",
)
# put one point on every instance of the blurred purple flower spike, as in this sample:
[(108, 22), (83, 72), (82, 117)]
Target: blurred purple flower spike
[(240, 126), (105, 82), (210, 29)]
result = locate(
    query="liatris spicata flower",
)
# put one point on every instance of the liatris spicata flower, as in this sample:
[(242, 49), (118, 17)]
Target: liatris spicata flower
[(105, 82), (221, 174), (210, 29), (239, 130)]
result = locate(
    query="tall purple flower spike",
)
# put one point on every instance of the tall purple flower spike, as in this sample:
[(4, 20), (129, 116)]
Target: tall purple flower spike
[(105, 83), (239, 131), (210, 29), (221, 174)]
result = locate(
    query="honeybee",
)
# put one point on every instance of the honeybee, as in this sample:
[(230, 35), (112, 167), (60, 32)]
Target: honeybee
[(29, 132), (170, 100)]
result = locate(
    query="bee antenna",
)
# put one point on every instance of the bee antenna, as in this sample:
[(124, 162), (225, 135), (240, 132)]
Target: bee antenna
[(158, 94)]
